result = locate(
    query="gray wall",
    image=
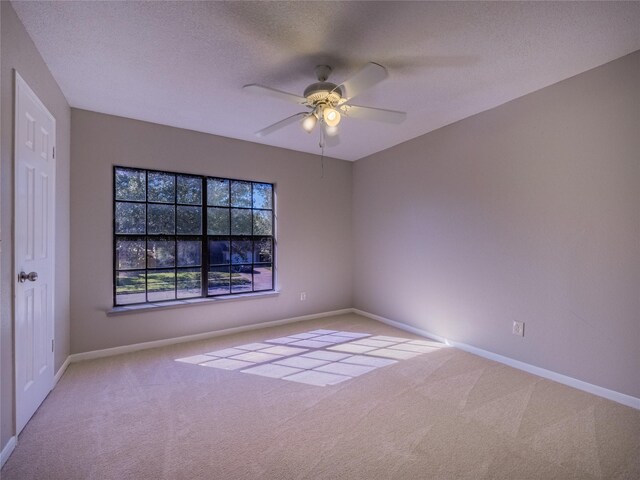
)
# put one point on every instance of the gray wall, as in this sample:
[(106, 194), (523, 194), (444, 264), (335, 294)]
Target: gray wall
[(527, 212), (19, 53), (313, 227)]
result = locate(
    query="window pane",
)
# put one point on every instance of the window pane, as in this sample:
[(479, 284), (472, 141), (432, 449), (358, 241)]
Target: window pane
[(189, 190), (162, 187), (189, 220), (130, 217), (161, 219), (219, 252), (161, 285), (189, 283), (129, 253), (217, 192), (263, 250), (218, 221), (262, 222), (159, 235), (189, 253), (130, 288), (263, 277), (241, 251), (130, 184), (240, 194), (219, 280), (240, 222), (241, 278), (262, 195), (160, 253)]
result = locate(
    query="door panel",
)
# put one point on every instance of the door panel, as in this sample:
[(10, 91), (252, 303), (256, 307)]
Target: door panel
[(34, 205)]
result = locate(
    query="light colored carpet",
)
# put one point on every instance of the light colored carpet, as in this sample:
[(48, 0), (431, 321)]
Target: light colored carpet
[(445, 414)]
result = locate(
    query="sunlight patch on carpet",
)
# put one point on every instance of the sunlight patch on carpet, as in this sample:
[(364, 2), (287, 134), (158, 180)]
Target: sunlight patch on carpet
[(317, 357)]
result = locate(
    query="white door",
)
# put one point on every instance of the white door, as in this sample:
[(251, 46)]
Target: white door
[(34, 207)]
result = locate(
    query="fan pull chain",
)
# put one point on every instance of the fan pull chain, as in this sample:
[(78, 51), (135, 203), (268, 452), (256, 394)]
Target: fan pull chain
[(321, 145)]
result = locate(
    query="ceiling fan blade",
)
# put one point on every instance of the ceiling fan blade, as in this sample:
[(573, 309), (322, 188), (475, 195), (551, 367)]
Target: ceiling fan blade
[(370, 113), (281, 124), (368, 76), (331, 139), (272, 92)]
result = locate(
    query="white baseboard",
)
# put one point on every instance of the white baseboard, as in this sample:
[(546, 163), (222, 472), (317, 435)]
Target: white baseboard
[(107, 352), (7, 451), (618, 397), (402, 326), (61, 371)]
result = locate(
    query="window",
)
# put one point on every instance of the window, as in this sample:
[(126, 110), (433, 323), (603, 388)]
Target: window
[(179, 236)]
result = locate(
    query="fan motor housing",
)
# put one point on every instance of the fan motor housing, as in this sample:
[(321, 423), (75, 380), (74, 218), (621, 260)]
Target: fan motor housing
[(323, 92)]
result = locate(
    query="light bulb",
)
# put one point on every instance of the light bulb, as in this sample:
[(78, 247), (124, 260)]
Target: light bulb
[(331, 116), (309, 122)]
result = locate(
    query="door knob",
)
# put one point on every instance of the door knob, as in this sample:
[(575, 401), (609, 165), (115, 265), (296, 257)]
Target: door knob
[(23, 277)]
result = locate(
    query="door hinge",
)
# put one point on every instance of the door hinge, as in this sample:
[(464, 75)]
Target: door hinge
[(54, 152), (53, 342)]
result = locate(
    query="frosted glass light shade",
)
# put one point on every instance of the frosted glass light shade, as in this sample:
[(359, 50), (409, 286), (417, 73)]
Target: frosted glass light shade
[(331, 116), (331, 131), (309, 122)]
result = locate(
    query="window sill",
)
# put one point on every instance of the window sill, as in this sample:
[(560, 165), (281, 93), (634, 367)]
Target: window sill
[(145, 307)]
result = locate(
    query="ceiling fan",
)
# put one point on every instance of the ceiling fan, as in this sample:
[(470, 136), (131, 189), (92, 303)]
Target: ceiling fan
[(328, 103)]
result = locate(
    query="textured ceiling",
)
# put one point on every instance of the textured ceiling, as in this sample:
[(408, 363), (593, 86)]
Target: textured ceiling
[(184, 63)]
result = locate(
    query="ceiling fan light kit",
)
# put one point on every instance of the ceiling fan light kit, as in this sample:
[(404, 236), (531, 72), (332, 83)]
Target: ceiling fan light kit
[(328, 102)]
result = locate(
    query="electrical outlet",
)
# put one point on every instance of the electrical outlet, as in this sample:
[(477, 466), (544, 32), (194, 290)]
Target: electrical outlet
[(518, 328), (303, 296)]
